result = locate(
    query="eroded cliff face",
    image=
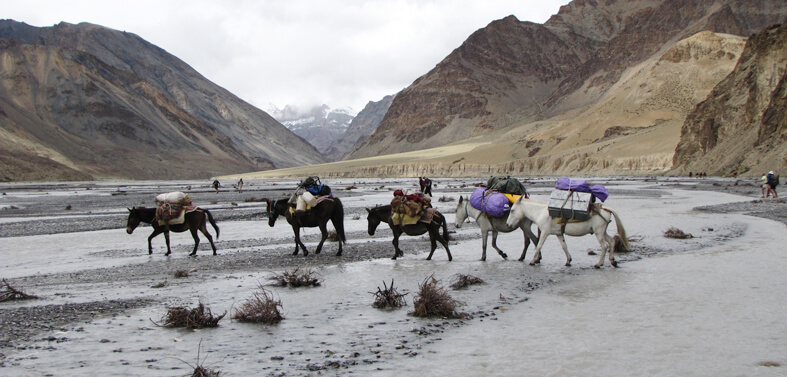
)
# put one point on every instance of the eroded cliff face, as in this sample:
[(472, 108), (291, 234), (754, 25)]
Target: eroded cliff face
[(518, 74), (742, 126), (102, 103)]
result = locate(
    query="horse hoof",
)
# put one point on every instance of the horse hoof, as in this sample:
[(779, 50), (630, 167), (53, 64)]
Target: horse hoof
[(568, 264), (483, 259), (532, 263), (614, 264), (596, 266), (504, 255), (430, 258)]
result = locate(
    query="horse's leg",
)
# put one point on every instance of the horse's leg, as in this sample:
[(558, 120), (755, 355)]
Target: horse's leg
[(166, 238), (529, 236), (432, 242), (297, 231), (396, 234), (434, 236), (562, 239), (484, 236), (195, 235), (204, 230), (494, 244), (155, 233), (606, 243), (324, 234)]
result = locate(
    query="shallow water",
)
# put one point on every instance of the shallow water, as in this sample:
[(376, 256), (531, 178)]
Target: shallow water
[(712, 305)]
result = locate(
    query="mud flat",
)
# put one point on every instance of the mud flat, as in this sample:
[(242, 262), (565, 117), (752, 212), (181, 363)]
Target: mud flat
[(100, 293)]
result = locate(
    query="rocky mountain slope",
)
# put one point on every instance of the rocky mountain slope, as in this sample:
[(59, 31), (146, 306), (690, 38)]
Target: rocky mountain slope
[(742, 126), (320, 126), (363, 125), (519, 75), (84, 101), (632, 129)]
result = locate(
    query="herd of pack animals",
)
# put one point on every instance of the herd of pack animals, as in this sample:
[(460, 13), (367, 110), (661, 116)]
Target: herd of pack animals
[(523, 213)]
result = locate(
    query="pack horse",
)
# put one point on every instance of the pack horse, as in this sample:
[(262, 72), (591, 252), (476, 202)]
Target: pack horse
[(193, 221), (538, 213)]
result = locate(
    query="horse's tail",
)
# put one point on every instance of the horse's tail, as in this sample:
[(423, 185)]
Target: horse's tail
[(212, 222), (621, 229), (446, 236), (337, 218)]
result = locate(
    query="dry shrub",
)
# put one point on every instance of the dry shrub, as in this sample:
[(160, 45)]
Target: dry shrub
[(617, 245), (201, 371), (463, 281), (196, 318), (298, 278), (181, 274), (388, 298), (260, 308), (10, 293), (444, 199), (333, 236), (677, 233), (432, 300), (353, 187)]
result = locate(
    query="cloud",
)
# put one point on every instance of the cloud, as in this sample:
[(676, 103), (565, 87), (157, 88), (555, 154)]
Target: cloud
[(343, 53)]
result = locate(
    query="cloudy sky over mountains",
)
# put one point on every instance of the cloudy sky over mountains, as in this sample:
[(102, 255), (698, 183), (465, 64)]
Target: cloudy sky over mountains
[(343, 53)]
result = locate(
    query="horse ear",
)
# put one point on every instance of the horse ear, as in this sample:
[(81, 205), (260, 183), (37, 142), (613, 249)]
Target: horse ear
[(129, 209), (461, 198), (368, 210)]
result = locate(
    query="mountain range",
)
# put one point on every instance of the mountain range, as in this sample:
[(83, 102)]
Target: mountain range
[(602, 87), (87, 102)]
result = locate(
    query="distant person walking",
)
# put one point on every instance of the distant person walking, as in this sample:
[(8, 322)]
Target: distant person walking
[(426, 185), (240, 185), (764, 185), (772, 181), (216, 185)]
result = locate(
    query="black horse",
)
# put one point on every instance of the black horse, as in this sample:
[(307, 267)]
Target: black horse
[(328, 209), (194, 220), (383, 214)]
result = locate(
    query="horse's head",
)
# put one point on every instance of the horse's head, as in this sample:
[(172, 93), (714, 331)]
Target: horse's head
[(133, 220), (462, 212), (517, 213), (373, 220), (272, 213)]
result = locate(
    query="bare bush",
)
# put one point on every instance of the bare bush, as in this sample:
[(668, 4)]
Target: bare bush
[(181, 274), (464, 281), (260, 308), (297, 278), (677, 233), (195, 318), (10, 293), (388, 298), (444, 199), (432, 300), (333, 236)]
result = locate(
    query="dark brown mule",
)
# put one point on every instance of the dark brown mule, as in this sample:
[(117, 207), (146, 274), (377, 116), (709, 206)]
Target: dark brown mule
[(383, 214), (195, 220), (329, 209)]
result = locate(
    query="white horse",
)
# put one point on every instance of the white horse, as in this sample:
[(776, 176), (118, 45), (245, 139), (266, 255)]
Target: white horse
[(493, 224), (597, 224)]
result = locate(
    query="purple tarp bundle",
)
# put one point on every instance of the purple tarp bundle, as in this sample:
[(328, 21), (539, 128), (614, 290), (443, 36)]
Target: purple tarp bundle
[(579, 185), (493, 203)]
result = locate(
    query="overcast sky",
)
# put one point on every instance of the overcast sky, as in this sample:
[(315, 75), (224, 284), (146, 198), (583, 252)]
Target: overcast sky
[(342, 53)]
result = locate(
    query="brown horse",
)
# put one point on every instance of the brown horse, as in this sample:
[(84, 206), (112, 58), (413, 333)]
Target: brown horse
[(383, 214), (195, 220), (329, 209)]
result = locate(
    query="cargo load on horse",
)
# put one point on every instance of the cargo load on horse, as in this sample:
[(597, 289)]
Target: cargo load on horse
[(410, 207), (496, 198), (171, 207), (309, 193), (573, 199)]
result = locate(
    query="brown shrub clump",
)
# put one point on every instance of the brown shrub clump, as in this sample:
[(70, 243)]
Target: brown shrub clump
[(388, 298), (673, 232), (463, 281), (297, 278), (333, 236), (260, 308), (181, 274), (196, 318), (10, 293), (201, 371), (432, 300)]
